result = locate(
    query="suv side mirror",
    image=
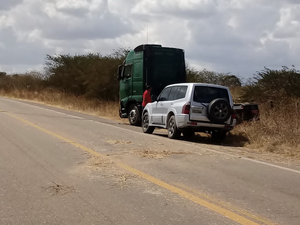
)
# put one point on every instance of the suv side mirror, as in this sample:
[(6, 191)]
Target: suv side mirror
[(162, 99), (120, 72), (154, 98)]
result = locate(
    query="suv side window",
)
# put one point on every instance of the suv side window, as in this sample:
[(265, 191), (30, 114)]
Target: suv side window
[(164, 96), (177, 92), (173, 93), (181, 92)]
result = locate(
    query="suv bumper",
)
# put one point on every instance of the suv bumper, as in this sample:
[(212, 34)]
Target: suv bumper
[(183, 122)]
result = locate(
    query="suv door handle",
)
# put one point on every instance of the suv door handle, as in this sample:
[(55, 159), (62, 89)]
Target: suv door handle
[(172, 103)]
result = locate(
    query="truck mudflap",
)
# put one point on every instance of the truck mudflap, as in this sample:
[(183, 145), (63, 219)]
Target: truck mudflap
[(122, 111), (122, 115)]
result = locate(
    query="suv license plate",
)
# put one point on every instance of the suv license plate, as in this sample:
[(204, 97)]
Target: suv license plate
[(197, 111)]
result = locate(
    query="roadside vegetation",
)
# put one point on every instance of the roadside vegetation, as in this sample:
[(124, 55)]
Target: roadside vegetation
[(278, 94), (87, 83)]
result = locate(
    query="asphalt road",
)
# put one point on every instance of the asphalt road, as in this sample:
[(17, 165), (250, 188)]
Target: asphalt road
[(62, 167)]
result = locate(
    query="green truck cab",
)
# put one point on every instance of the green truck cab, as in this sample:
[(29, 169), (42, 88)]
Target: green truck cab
[(152, 65)]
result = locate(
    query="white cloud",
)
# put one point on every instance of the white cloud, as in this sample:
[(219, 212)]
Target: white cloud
[(239, 36)]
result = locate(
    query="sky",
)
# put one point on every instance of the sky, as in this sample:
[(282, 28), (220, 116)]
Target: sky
[(236, 36)]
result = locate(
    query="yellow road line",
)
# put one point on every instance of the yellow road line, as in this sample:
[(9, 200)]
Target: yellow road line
[(230, 215), (226, 205)]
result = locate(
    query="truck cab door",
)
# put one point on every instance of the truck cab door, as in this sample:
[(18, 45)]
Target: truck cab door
[(128, 79)]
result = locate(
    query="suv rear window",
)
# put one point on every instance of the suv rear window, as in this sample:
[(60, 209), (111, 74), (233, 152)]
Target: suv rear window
[(207, 94)]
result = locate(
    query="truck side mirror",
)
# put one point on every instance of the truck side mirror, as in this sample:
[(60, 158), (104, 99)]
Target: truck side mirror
[(120, 72)]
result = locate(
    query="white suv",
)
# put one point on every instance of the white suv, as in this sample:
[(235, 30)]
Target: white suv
[(191, 107)]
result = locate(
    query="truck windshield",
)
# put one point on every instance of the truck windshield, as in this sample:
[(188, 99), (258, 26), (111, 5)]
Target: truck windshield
[(207, 94)]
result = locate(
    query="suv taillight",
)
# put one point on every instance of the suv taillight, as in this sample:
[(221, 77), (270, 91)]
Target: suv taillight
[(186, 108), (233, 114)]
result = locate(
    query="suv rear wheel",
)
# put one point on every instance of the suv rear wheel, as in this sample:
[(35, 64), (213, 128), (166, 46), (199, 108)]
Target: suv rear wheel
[(173, 132), (134, 115), (145, 124)]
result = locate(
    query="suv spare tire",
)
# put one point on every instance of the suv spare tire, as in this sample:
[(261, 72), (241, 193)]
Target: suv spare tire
[(219, 110)]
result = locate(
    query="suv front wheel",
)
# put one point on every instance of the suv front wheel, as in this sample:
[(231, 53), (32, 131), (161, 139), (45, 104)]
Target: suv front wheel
[(145, 124), (173, 132)]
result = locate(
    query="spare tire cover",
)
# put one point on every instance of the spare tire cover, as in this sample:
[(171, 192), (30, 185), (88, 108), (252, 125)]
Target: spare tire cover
[(219, 110)]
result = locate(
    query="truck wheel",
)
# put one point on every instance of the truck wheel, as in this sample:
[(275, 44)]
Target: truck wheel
[(218, 136), (173, 132), (145, 124), (134, 115)]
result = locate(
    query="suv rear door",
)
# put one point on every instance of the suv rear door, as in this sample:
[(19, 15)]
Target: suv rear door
[(201, 97)]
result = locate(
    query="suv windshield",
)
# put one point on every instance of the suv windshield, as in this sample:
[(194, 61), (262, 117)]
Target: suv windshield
[(207, 94)]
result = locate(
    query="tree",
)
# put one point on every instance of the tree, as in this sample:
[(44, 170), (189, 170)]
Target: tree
[(230, 81), (2, 74), (206, 76), (90, 75), (274, 84)]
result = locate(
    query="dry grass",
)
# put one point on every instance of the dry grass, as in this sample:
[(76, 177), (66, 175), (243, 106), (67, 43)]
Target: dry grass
[(236, 93), (278, 130), (93, 107), (58, 189), (116, 142), (157, 154), (99, 162)]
